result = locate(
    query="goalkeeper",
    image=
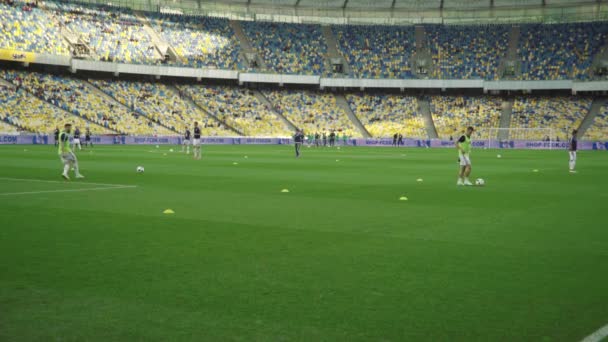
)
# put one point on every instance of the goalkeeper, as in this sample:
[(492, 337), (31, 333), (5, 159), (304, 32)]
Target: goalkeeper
[(68, 158), (464, 155)]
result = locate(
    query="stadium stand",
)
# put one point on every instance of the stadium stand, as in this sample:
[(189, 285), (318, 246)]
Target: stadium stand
[(113, 33), (29, 112), (239, 108), (312, 111), (562, 114), (157, 102), (72, 96), (24, 27), (467, 52), (377, 51), (599, 129), (201, 41), (451, 114), (386, 115), (560, 51), (6, 128), (288, 48)]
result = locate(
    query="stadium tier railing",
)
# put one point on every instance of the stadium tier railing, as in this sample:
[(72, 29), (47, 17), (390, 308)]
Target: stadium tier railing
[(159, 71)]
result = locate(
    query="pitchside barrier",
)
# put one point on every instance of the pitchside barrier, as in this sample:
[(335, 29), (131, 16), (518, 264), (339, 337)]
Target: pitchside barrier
[(29, 139)]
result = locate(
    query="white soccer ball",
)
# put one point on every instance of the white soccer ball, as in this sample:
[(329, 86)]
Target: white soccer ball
[(140, 169), (480, 182), (498, 156)]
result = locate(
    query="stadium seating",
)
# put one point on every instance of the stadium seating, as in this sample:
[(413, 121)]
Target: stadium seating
[(239, 108), (312, 111), (288, 48), (112, 33), (201, 41), (30, 29), (599, 129), (452, 114), (377, 51), (73, 96), (561, 51), (385, 115), (467, 52), (561, 114), (33, 114), (6, 128), (161, 104)]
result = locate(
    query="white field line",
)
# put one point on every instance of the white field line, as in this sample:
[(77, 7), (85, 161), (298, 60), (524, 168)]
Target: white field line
[(598, 335), (62, 182), (68, 190)]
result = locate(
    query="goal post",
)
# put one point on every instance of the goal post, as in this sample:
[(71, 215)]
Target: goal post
[(504, 137)]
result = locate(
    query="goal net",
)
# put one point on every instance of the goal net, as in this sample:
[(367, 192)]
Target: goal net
[(505, 137)]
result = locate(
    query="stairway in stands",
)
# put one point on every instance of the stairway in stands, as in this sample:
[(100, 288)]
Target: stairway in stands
[(115, 102), (163, 48), (186, 97), (511, 60), (334, 56), (343, 103), (264, 100), (424, 107), (505, 119), (248, 53), (596, 106), (422, 60)]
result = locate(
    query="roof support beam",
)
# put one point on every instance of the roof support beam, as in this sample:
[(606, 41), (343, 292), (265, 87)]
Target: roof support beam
[(297, 3), (393, 4), (345, 4)]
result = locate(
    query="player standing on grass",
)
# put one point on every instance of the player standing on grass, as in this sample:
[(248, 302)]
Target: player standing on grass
[(196, 142), (572, 151), (87, 138), (298, 139), (68, 158), (56, 136), (76, 140), (464, 155), (186, 143)]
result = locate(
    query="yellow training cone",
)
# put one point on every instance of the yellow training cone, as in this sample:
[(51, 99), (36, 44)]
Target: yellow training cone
[(419, 180), (168, 211), (284, 190), (403, 198)]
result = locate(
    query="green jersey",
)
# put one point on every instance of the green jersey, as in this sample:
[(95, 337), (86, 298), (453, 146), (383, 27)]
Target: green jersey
[(64, 143), (465, 144)]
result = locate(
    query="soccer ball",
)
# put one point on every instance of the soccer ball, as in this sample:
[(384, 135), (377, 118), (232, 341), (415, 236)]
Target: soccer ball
[(140, 169), (480, 182)]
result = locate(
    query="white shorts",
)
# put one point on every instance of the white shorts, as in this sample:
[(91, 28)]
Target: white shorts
[(76, 141), (186, 141), (465, 160), (196, 142), (68, 157)]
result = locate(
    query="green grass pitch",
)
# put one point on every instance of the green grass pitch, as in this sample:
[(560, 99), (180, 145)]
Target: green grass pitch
[(338, 258)]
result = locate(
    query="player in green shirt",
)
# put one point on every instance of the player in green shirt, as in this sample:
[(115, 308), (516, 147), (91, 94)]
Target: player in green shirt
[(68, 158), (464, 156)]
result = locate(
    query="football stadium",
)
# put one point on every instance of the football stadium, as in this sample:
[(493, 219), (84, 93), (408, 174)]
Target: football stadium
[(304, 170)]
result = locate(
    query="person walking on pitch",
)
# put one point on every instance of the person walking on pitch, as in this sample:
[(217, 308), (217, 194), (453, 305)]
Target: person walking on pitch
[(464, 155), (196, 142), (68, 158), (87, 138), (76, 139), (56, 136), (298, 139), (572, 150)]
